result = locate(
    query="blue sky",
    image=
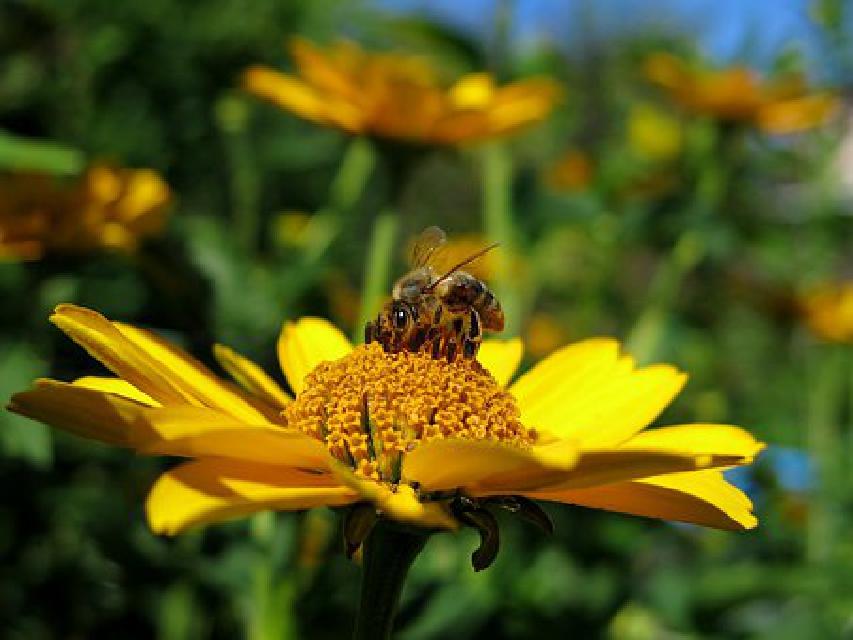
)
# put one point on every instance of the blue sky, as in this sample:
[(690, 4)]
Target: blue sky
[(726, 30)]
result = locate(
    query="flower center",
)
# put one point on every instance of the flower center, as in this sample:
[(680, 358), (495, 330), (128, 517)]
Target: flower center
[(372, 407)]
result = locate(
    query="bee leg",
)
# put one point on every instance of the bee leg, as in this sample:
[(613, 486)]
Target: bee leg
[(417, 340), (469, 348), (458, 326), (471, 344), (451, 349), (436, 347), (369, 333), (397, 342), (475, 331)]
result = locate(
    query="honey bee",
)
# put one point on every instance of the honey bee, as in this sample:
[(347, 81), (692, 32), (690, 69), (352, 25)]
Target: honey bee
[(445, 314)]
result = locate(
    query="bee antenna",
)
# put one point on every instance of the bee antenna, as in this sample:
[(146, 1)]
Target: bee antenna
[(457, 267)]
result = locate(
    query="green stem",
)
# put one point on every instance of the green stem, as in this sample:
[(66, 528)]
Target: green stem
[(389, 552), (648, 333), (233, 117), (345, 191), (271, 612), (377, 270), (499, 227), (713, 150), (826, 395), (849, 366)]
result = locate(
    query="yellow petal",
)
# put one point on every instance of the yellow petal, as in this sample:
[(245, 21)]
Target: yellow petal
[(304, 344), (608, 466), (402, 504), (177, 431), (587, 392), (319, 69), (194, 380), (698, 497), (206, 491), (118, 387), (501, 358), (197, 432), (87, 413), (480, 466), (251, 377), (106, 343), (473, 91), (292, 94), (593, 468), (716, 440), (521, 104), (457, 126), (785, 117)]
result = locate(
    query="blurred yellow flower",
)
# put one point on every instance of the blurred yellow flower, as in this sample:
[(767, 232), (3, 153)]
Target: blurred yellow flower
[(462, 246), (739, 94), (544, 334), (343, 299), (405, 432), (107, 208), (654, 134), (398, 96), (828, 311), (290, 229), (571, 172)]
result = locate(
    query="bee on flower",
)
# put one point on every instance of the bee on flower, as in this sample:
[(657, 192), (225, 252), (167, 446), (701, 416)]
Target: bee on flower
[(444, 313), (425, 441)]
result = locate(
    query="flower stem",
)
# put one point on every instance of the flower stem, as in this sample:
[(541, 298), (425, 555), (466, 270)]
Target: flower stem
[(377, 271), (826, 395), (389, 552), (271, 610), (499, 227), (232, 115), (648, 333), (713, 151), (347, 187)]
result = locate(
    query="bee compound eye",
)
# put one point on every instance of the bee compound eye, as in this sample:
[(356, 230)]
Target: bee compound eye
[(401, 318)]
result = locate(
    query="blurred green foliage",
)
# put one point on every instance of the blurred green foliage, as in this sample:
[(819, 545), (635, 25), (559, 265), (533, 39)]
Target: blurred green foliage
[(691, 251)]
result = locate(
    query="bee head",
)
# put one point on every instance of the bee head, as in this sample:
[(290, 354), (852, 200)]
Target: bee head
[(412, 285), (401, 316)]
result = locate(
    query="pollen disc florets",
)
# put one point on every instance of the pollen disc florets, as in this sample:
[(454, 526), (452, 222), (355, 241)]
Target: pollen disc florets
[(372, 407)]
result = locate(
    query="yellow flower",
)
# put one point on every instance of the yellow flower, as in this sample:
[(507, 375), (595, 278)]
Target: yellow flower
[(738, 94), (107, 208), (828, 311), (404, 432), (398, 96), (571, 172), (462, 246), (544, 334), (653, 134)]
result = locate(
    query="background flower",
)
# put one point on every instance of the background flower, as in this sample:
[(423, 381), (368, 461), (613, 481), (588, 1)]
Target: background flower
[(828, 311), (106, 208), (738, 94), (393, 95)]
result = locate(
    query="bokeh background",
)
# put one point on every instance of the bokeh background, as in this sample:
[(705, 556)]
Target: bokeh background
[(665, 200)]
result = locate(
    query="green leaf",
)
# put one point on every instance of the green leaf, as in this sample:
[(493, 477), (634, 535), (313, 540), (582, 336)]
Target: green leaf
[(25, 154), (21, 437)]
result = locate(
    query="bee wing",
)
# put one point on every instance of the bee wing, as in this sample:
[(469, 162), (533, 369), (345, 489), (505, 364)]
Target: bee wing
[(426, 246)]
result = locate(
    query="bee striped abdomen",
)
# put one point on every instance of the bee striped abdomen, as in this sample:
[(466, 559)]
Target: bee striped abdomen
[(491, 313)]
